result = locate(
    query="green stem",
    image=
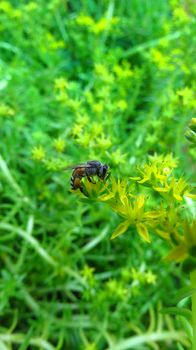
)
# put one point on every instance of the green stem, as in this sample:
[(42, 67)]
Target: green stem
[(193, 285)]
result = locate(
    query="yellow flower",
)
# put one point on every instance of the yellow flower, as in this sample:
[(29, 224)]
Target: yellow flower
[(180, 14), (77, 129), (117, 157), (97, 190), (100, 26), (82, 120), (59, 145), (150, 277), (57, 44), (123, 71), (160, 59), (90, 346), (61, 83), (178, 188), (136, 275), (87, 272), (38, 153), (5, 110), (31, 6), (83, 20), (121, 104), (116, 289), (188, 97), (100, 69), (62, 98), (97, 107), (133, 212), (6, 7), (103, 142), (156, 171)]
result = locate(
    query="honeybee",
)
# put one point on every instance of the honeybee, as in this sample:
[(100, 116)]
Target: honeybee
[(88, 169)]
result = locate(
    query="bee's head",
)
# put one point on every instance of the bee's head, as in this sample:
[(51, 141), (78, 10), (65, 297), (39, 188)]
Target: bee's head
[(102, 171)]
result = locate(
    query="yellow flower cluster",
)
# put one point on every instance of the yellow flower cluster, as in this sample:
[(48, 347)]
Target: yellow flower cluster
[(96, 27), (60, 86), (9, 10), (90, 135), (188, 97), (6, 110), (143, 277), (59, 145), (167, 220), (161, 60), (38, 153), (158, 174)]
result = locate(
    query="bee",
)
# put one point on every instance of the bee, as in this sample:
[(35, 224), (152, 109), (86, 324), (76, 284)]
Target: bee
[(88, 169)]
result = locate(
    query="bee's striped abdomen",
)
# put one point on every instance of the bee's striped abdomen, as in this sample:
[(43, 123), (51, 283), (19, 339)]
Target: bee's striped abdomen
[(76, 177), (72, 182)]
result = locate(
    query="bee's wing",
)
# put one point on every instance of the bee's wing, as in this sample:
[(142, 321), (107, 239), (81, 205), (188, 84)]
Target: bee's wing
[(81, 165)]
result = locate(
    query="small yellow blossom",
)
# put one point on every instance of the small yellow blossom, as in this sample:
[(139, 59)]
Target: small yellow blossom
[(150, 277), (97, 108), (73, 104), (188, 96), (96, 129), (100, 26), (77, 129), (82, 120), (38, 153), (181, 15), (83, 20), (7, 8), (5, 110), (59, 145), (62, 97), (136, 275), (100, 69), (116, 289), (157, 170), (84, 139), (160, 59), (57, 44), (31, 6), (121, 104), (123, 71), (87, 272), (176, 188), (61, 83), (117, 157), (104, 142), (90, 346)]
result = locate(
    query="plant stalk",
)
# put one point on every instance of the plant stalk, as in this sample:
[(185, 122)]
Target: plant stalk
[(193, 285)]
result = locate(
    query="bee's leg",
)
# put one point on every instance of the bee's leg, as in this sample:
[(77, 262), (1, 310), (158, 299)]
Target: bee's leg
[(90, 180), (78, 186), (83, 191), (107, 176)]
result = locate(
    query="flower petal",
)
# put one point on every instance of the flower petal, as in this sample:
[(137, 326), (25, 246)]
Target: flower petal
[(143, 232), (120, 229), (178, 253)]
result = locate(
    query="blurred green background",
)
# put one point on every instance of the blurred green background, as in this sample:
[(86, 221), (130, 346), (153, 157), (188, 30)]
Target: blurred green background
[(80, 80)]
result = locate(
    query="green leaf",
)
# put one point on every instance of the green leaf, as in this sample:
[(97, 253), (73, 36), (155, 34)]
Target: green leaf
[(178, 253), (177, 311), (135, 178), (183, 293), (143, 232), (120, 229)]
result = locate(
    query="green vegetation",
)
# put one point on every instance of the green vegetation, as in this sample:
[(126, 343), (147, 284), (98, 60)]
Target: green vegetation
[(112, 81)]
